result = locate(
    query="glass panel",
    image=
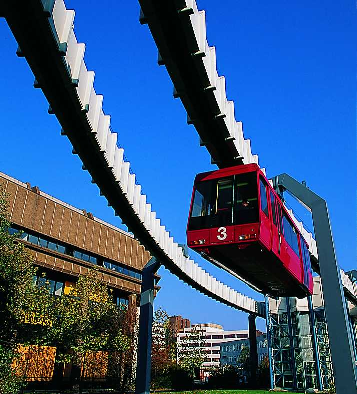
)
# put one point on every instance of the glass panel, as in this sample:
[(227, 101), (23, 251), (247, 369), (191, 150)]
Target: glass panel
[(43, 242), (52, 245), (33, 239), (272, 200), (224, 192), (24, 236), (224, 203), (41, 281), (306, 261), (205, 199), (51, 286), (93, 259), (290, 234), (263, 198), (58, 288), (246, 199), (12, 231), (77, 254), (85, 257), (204, 205), (61, 248)]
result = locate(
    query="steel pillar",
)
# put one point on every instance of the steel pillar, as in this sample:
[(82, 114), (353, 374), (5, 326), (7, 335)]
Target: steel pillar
[(341, 345), (143, 368), (291, 340), (314, 342), (253, 350), (270, 356)]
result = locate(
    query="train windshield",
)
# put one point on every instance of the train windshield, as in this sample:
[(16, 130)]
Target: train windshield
[(225, 201)]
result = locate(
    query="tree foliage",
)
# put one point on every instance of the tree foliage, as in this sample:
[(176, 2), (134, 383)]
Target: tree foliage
[(190, 351), (163, 351), (82, 323)]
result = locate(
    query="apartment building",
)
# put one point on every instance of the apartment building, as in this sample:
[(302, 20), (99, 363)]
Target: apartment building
[(230, 351), (208, 338)]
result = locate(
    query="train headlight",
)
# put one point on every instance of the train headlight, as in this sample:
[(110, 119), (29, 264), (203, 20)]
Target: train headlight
[(246, 236), (198, 242)]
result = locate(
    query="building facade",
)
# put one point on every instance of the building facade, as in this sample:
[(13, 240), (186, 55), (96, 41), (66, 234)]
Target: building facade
[(178, 324), (66, 242), (231, 351), (298, 341), (207, 338)]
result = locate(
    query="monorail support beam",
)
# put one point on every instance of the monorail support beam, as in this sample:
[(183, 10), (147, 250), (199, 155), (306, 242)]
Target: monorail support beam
[(143, 368), (253, 350), (270, 344), (291, 340), (314, 342), (341, 344)]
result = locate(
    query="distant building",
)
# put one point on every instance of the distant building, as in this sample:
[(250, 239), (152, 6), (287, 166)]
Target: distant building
[(178, 324), (210, 338), (230, 351)]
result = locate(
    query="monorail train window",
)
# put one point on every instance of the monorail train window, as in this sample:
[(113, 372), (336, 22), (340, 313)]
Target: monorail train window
[(204, 204), (224, 194), (306, 261), (263, 198), (290, 234), (273, 209), (224, 203), (246, 199)]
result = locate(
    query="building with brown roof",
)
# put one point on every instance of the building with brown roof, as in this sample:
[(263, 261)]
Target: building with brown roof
[(66, 241)]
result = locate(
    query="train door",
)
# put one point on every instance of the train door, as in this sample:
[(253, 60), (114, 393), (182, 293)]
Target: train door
[(275, 225), (265, 226)]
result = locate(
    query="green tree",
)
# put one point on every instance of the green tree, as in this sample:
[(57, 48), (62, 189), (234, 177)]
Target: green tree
[(190, 351), (163, 352), (19, 301), (87, 320), (243, 362)]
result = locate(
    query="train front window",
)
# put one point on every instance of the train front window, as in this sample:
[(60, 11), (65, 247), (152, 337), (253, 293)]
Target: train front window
[(246, 199), (212, 204), (224, 202), (204, 205), (204, 201)]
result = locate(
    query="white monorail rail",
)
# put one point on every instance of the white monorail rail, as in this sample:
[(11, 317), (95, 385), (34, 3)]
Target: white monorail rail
[(103, 141), (78, 83)]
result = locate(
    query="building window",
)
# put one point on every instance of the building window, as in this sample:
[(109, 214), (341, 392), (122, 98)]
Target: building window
[(54, 287), (121, 301), (68, 250)]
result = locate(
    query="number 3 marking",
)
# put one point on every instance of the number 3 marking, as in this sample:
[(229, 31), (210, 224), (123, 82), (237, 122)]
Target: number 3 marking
[(222, 233)]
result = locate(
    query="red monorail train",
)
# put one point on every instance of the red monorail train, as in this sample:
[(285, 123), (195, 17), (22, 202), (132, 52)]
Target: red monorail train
[(238, 222)]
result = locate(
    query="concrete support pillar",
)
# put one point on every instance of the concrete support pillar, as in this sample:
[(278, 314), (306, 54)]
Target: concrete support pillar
[(143, 369)]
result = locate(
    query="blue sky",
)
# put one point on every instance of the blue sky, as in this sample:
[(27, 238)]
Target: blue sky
[(289, 68)]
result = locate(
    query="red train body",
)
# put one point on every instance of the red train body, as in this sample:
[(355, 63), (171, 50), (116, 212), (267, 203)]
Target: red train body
[(238, 222)]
